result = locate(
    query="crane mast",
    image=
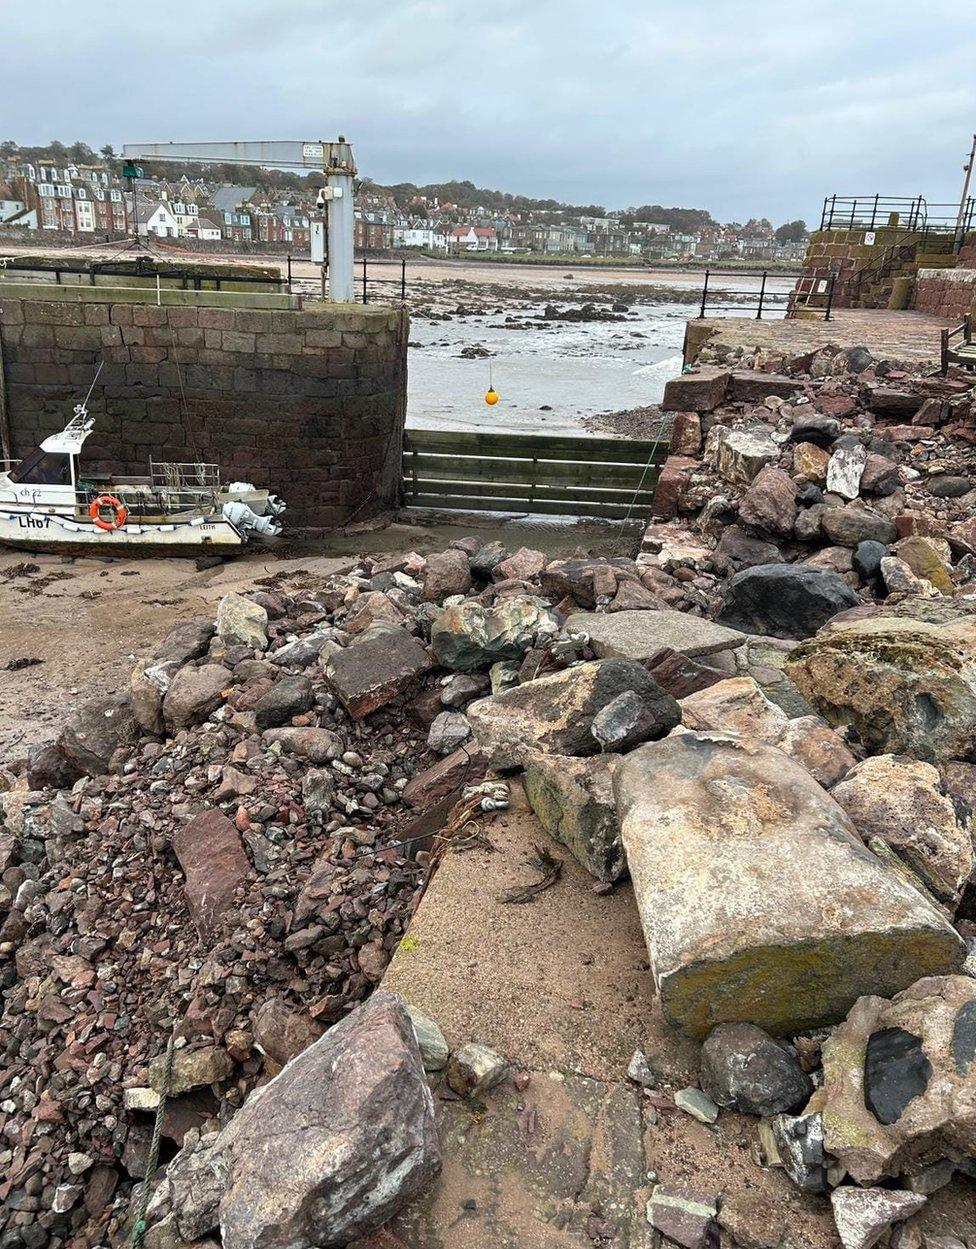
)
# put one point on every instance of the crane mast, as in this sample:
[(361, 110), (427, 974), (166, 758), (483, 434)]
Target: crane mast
[(334, 159)]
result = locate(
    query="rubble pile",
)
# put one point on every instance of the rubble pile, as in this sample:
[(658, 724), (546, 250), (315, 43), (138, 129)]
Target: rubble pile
[(217, 848), (797, 487), (768, 721)]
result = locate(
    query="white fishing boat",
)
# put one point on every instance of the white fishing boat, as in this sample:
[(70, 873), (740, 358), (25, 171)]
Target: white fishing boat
[(48, 503)]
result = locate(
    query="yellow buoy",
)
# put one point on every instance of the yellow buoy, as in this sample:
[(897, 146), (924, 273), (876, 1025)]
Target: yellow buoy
[(491, 396)]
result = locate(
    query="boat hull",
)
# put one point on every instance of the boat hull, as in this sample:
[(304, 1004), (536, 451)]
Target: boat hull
[(45, 531)]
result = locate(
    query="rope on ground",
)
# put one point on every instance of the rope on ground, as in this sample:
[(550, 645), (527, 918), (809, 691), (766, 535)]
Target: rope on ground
[(139, 1227)]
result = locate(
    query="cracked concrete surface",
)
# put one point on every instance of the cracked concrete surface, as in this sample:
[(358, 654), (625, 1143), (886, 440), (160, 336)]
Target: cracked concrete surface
[(562, 988)]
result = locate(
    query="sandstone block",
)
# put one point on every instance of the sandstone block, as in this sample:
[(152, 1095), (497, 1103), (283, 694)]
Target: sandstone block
[(375, 670), (640, 635), (573, 799), (757, 899), (770, 502), (212, 857), (701, 391), (334, 1145), (554, 714), (751, 386), (740, 454), (901, 801)]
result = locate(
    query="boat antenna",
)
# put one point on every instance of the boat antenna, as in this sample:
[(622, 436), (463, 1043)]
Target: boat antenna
[(81, 409)]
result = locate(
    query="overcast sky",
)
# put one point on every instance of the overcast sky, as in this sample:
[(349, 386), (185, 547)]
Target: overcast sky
[(743, 107)]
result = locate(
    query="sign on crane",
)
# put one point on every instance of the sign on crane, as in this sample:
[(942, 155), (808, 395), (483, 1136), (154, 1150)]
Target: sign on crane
[(335, 160)]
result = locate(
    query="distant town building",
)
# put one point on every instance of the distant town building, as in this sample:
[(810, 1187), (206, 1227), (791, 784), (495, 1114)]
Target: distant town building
[(474, 239)]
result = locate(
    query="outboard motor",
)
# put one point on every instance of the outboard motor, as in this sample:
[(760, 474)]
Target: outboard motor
[(246, 521)]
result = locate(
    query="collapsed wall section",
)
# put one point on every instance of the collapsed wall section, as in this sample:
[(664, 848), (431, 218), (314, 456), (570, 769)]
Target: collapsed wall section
[(309, 402)]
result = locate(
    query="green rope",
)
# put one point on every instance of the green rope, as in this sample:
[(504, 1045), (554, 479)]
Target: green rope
[(139, 1228)]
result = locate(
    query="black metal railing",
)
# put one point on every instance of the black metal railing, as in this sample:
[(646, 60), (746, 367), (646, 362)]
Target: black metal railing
[(963, 332), (311, 287), (813, 291), (741, 300), (187, 278), (876, 212)]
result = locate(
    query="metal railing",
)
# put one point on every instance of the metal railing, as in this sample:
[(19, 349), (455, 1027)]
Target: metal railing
[(882, 266), (742, 299), (171, 475), (875, 212), (94, 269), (311, 287)]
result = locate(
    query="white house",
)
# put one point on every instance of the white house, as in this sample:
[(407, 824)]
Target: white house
[(475, 238), (185, 212), (203, 228), (420, 234), (10, 206), (156, 217)]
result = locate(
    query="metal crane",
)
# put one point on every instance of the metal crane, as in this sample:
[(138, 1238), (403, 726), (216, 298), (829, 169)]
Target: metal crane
[(334, 159)]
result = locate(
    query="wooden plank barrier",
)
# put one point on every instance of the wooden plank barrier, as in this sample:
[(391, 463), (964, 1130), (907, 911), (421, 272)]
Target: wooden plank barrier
[(498, 472)]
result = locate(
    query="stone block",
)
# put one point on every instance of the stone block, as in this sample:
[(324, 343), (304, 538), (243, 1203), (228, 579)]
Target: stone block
[(701, 391), (211, 854), (757, 899), (215, 319), (641, 635), (236, 340), (573, 799), (673, 480), (751, 386), (182, 318), (149, 314), (374, 671)]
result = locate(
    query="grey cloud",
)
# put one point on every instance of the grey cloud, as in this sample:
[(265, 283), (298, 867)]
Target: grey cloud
[(740, 106)]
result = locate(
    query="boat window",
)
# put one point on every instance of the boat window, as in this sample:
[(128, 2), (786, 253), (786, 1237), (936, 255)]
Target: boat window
[(43, 468)]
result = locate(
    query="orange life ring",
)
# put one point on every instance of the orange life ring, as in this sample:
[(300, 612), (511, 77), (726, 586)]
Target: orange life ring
[(107, 500)]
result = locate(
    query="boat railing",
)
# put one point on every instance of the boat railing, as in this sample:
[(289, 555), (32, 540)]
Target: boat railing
[(177, 476)]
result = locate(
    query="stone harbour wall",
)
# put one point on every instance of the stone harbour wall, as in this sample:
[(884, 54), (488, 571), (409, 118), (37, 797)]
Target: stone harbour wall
[(309, 402), (949, 293)]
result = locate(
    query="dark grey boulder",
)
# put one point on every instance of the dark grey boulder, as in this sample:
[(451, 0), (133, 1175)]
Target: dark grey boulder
[(286, 698), (856, 359), (738, 549), (784, 600), (627, 721), (896, 1070), (947, 486), (48, 767), (867, 558), (185, 641), (95, 730), (847, 526), (816, 428), (743, 1068), (484, 561), (808, 494)]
